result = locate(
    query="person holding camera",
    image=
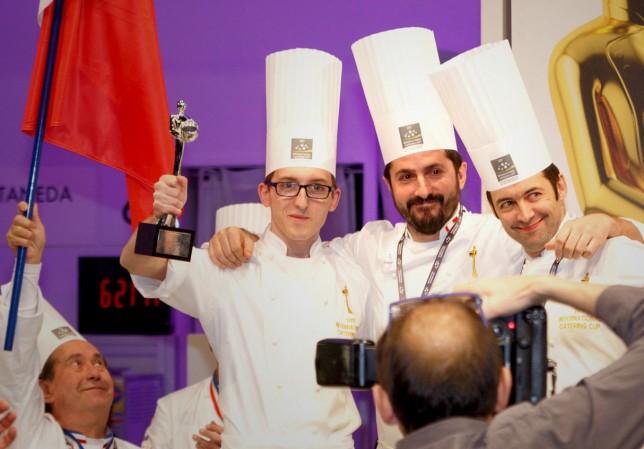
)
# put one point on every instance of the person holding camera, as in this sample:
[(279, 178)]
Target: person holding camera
[(448, 389)]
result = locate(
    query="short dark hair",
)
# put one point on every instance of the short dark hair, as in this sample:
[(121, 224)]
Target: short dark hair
[(452, 155), (551, 173), (47, 373), (426, 383)]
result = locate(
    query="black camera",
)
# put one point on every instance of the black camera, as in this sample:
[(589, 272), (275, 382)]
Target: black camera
[(522, 340), (341, 362)]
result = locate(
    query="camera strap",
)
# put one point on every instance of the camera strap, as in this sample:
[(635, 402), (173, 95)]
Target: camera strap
[(552, 365), (435, 266)]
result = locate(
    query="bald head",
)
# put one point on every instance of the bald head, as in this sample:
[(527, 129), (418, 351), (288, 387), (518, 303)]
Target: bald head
[(436, 361)]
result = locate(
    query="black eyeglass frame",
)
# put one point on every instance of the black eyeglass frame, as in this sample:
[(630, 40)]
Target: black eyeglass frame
[(462, 297), (300, 187)]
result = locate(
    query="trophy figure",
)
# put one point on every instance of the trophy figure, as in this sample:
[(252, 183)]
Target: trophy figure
[(165, 239)]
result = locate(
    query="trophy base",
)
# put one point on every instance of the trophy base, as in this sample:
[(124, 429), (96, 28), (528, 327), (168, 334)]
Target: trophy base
[(157, 240)]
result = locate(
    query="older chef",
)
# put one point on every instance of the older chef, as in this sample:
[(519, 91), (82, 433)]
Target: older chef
[(55, 380)]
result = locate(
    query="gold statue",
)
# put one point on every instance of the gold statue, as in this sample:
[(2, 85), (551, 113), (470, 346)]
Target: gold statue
[(596, 76)]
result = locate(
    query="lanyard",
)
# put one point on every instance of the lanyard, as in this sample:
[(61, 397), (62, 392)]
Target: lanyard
[(553, 267), (435, 266), (70, 435), (214, 385)]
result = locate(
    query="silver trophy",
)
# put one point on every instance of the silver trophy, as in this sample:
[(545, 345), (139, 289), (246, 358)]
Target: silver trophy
[(165, 239)]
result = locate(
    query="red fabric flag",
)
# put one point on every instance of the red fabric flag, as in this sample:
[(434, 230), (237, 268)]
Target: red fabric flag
[(108, 99)]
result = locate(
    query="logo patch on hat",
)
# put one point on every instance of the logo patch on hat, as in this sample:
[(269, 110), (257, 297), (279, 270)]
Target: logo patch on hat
[(63, 332), (410, 135), (504, 168), (301, 148)]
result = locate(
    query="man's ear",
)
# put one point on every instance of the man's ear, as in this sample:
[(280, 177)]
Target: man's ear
[(262, 191), (383, 405), (503, 390), (462, 175), (388, 184), (335, 199), (45, 386), (562, 187)]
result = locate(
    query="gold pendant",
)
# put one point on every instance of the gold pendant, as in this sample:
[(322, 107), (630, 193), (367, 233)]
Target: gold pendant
[(345, 292), (473, 254)]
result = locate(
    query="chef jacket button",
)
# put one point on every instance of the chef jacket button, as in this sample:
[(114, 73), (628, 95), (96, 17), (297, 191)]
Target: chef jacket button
[(273, 297), (275, 341)]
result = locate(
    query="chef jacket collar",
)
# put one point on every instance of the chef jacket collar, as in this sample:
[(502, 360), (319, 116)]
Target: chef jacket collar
[(273, 241)]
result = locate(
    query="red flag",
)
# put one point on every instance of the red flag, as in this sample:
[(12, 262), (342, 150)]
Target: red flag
[(108, 99)]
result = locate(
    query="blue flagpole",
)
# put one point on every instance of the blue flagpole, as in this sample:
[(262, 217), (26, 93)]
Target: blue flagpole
[(33, 172)]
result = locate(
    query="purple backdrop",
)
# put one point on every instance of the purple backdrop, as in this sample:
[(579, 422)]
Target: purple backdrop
[(213, 56)]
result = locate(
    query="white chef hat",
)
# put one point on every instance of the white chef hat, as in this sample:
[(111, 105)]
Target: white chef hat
[(54, 332), (484, 94), (254, 217), (302, 106), (406, 110)]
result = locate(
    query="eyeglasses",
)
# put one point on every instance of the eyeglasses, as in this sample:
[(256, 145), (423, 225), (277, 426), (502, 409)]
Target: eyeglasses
[(399, 308), (291, 189)]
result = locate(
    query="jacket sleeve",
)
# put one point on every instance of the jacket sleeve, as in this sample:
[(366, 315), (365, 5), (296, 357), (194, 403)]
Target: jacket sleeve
[(158, 435), (20, 367)]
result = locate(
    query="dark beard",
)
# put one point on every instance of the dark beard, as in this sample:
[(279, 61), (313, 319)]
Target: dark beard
[(426, 223)]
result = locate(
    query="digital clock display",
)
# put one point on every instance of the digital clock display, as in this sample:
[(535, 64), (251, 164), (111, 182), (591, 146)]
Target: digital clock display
[(109, 303)]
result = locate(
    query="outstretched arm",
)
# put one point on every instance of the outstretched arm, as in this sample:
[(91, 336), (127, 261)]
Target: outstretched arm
[(231, 247), (508, 295), (27, 233), (582, 237), (170, 194)]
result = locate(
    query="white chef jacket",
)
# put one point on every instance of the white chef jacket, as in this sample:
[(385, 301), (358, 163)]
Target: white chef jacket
[(19, 371), (263, 321), (374, 248), (180, 414), (580, 344)]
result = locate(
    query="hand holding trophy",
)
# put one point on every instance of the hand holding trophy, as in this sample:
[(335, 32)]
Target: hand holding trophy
[(165, 239)]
